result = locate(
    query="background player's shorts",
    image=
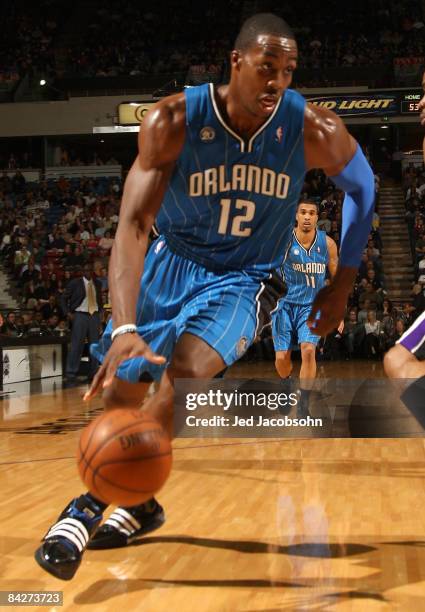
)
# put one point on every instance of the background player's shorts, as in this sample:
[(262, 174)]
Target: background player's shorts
[(177, 296), (414, 338), (289, 326)]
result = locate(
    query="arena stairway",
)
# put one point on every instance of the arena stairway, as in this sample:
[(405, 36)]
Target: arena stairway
[(396, 253), (7, 301)]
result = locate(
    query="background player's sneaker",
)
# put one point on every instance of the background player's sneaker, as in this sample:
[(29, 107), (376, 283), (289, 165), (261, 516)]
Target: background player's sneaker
[(63, 545), (127, 524), (303, 405)]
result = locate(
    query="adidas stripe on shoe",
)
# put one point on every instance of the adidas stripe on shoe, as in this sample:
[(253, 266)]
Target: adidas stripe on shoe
[(127, 524)]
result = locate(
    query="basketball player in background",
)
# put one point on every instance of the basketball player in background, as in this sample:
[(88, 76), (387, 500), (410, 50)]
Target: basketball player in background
[(220, 172), (310, 253)]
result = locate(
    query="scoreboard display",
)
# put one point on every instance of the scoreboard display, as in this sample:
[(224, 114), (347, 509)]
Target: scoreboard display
[(409, 102)]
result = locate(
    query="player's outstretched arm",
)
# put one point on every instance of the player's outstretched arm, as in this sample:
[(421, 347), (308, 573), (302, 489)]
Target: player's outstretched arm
[(329, 146), (333, 256), (333, 267), (161, 139)]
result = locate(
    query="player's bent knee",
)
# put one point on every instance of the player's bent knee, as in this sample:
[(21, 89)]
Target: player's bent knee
[(186, 369), (396, 362), (308, 351)]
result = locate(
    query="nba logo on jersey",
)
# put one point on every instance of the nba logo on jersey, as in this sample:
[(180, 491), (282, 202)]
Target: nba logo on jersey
[(279, 134), (296, 252)]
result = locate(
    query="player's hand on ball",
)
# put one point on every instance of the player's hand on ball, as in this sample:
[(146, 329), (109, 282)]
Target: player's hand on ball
[(331, 302), (123, 347)]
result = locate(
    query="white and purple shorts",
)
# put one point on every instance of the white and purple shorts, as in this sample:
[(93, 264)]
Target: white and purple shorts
[(414, 338)]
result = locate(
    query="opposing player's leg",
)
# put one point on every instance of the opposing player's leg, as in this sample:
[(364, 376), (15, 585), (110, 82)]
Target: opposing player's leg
[(403, 363), (399, 362)]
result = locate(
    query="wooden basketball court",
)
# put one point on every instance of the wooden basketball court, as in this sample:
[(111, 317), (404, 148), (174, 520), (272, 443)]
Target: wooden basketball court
[(323, 524)]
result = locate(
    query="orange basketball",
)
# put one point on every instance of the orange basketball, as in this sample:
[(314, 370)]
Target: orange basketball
[(124, 457)]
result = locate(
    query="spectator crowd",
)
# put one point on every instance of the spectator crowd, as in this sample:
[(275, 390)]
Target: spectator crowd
[(49, 232), (175, 37)]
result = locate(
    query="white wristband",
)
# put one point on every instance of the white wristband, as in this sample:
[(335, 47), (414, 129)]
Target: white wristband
[(128, 328)]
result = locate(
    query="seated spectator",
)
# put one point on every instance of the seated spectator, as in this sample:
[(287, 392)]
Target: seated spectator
[(418, 300), (43, 291), (374, 249), (60, 287), (420, 247), (103, 278), (375, 282), (37, 325), (58, 241), (51, 308), (51, 323), (22, 256), (2, 325), (352, 334), (363, 312), (406, 314), (373, 257), (369, 293), (11, 327), (399, 330), (372, 341), (362, 273), (29, 272), (62, 328), (67, 252), (77, 259), (106, 242), (324, 223), (387, 309)]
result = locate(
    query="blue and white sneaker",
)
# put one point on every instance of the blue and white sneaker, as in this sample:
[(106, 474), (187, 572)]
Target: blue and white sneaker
[(63, 545)]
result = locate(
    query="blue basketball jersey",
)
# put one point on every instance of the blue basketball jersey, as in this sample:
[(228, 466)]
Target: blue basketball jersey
[(305, 271), (231, 204)]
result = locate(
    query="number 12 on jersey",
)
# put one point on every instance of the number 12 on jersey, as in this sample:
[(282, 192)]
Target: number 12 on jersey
[(247, 215)]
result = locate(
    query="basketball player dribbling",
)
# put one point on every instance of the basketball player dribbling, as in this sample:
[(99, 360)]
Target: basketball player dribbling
[(220, 172), (309, 254)]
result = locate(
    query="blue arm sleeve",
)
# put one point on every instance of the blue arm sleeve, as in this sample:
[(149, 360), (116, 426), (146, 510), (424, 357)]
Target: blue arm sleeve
[(358, 182)]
